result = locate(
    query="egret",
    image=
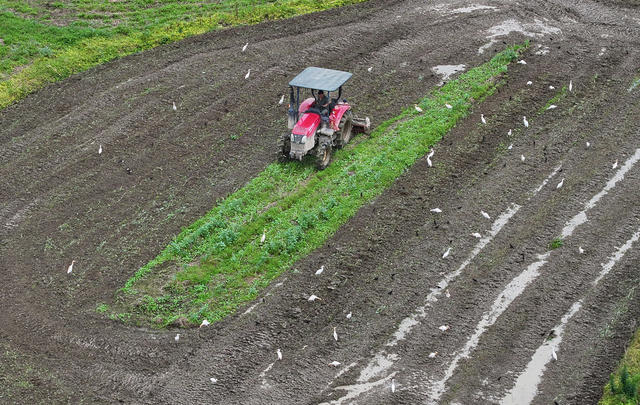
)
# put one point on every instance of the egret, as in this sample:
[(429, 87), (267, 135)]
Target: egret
[(551, 88), (313, 297), (560, 184), (177, 337), (320, 270), (429, 157), (482, 119), (418, 109), (570, 85), (433, 355), (529, 83), (248, 73), (264, 236), (447, 294), (553, 354), (174, 106), (436, 210), (393, 385), (580, 250), (525, 122), (100, 150), (484, 214), (615, 164), (335, 334), (349, 315), (370, 69), (552, 106), (70, 268), (476, 235), (588, 144), (281, 100), (279, 354), (449, 106), (244, 48), (444, 327), (510, 146), (334, 363), (213, 380), (509, 133), (522, 157), (444, 256), (522, 62), (204, 323)]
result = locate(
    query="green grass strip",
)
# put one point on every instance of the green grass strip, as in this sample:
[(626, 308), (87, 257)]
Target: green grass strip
[(220, 261), (624, 382), (68, 50)]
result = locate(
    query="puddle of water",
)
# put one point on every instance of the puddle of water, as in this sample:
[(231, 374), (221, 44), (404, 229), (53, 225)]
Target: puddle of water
[(535, 29), (526, 386), (581, 217), (472, 8), (446, 71), (354, 391)]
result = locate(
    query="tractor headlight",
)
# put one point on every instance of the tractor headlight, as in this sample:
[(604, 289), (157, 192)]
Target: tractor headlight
[(297, 138)]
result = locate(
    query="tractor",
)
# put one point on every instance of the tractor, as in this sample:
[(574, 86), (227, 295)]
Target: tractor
[(316, 129)]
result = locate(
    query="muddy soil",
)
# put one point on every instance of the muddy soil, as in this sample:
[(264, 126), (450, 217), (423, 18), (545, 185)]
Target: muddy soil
[(161, 169)]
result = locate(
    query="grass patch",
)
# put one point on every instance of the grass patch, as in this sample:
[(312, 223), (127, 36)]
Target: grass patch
[(219, 259), (624, 382), (42, 42), (556, 243)]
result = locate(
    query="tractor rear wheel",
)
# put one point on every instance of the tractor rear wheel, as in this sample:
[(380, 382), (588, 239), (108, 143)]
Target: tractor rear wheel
[(323, 156), (284, 149), (346, 129)]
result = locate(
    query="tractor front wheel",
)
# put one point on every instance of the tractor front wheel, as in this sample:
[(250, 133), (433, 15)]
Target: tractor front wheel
[(284, 149), (323, 156)]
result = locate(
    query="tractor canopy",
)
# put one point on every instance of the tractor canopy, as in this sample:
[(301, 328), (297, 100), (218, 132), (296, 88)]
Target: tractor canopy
[(320, 79)]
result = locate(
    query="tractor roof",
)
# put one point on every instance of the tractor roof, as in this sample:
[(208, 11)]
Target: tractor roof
[(320, 79)]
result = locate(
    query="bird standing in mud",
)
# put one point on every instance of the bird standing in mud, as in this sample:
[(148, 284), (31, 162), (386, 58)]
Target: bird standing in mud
[(484, 121), (525, 122), (484, 214), (100, 150), (320, 270), (248, 73), (244, 48), (70, 268), (335, 334), (281, 100), (175, 108), (429, 157), (560, 184), (444, 256), (418, 109), (436, 210), (279, 353)]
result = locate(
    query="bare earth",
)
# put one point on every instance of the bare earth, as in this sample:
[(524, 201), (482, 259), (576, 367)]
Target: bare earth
[(504, 297)]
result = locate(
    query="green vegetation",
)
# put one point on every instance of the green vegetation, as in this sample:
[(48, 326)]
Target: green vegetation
[(622, 388), (556, 243), (42, 41), (220, 261)]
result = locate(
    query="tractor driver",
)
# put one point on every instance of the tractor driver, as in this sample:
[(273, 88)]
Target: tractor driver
[(322, 103)]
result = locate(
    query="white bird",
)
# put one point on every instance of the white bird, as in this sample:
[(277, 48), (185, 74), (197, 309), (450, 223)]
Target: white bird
[(476, 235), (213, 380), (177, 337), (429, 157), (510, 146), (444, 327), (279, 354), (281, 100), (588, 144), (482, 119), (204, 323), (313, 297), (447, 294), (393, 385), (370, 69), (174, 106), (70, 268), (615, 164), (522, 157), (509, 133), (433, 355), (444, 256), (484, 214), (264, 236), (560, 184), (580, 250), (244, 48), (349, 315), (529, 83), (248, 73), (449, 106), (525, 122), (553, 354), (570, 85), (436, 210), (335, 334), (320, 270), (552, 106), (100, 150), (418, 109), (551, 88), (522, 62), (334, 363)]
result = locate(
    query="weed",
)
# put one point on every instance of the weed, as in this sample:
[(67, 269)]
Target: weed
[(102, 308), (556, 243)]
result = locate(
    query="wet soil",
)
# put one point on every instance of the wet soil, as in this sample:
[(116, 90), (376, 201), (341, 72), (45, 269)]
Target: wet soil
[(161, 169)]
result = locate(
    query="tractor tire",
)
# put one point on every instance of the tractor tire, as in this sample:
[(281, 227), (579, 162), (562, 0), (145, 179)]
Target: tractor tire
[(323, 155), (345, 128), (284, 148)]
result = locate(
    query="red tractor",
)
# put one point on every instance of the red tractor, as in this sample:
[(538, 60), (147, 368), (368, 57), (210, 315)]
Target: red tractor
[(319, 123)]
